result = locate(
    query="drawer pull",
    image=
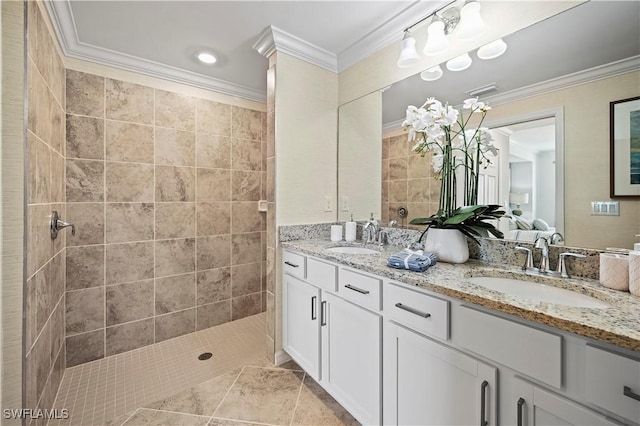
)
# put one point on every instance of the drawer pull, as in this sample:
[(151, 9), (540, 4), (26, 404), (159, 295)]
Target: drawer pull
[(412, 310), (323, 313), (313, 308), (631, 394), (293, 265), (359, 290), (483, 402), (520, 404)]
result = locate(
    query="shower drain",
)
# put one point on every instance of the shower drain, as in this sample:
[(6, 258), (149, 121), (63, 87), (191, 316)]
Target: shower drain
[(205, 356)]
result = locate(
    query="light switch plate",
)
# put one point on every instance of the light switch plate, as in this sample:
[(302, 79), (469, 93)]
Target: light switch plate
[(605, 208)]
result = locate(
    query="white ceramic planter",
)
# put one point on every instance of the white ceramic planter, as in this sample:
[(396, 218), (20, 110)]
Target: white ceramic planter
[(450, 245)]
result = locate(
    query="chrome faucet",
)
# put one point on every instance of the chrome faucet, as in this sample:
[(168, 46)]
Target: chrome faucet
[(372, 233), (556, 238), (543, 243)]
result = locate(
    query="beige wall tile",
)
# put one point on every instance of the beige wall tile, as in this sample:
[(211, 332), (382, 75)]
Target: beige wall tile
[(397, 191), (175, 293), (85, 180), (213, 117), (43, 359), (175, 220), (271, 135), (385, 192), (126, 337), (271, 179), (129, 142), (245, 248), (84, 267), (32, 174), (214, 218), (399, 146), (174, 110), (43, 296), (419, 166), (385, 169), (129, 182), (385, 148), (245, 217), (129, 262), (213, 314), (129, 222), (175, 257), (89, 221), (246, 154), (175, 324), (213, 151), (246, 279), (129, 302), (213, 252), (245, 186), (244, 306), (418, 190), (85, 94), (39, 104), (128, 102), (175, 183), (85, 347), (85, 137), (398, 168), (213, 185), (57, 178), (213, 285), (43, 173), (84, 310), (58, 124), (174, 147), (246, 123)]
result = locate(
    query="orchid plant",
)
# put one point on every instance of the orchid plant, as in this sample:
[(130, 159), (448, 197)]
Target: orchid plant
[(458, 153)]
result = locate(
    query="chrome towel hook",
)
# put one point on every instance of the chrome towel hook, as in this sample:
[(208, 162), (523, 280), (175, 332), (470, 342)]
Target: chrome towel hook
[(58, 224)]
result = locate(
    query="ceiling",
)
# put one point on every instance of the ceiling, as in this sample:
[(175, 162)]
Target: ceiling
[(160, 38)]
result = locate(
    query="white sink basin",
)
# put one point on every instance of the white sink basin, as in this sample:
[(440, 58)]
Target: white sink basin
[(539, 292), (352, 250)]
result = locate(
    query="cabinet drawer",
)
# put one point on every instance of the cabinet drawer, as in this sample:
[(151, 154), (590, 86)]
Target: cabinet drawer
[(533, 352), (294, 264), (419, 311), (322, 274), (361, 289), (608, 375)]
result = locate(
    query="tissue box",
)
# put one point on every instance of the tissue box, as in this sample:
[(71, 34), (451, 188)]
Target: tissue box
[(614, 271)]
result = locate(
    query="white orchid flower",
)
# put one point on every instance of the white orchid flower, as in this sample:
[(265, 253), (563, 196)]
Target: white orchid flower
[(469, 103), (437, 162)]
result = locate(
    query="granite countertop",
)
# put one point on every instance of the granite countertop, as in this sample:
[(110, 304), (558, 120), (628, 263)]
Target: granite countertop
[(618, 325)]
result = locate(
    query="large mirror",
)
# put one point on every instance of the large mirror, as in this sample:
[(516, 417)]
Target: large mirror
[(554, 85)]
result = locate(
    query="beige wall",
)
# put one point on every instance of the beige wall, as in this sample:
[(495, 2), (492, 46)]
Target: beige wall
[(12, 203)]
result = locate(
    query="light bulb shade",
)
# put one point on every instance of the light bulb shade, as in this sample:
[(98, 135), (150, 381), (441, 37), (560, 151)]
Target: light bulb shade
[(408, 53), (471, 23), (492, 50), (459, 63), (436, 40), (519, 198), (431, 74)]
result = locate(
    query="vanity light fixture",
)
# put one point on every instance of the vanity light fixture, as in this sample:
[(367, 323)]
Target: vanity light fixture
[(471, 23), (459, 63), (431, 74), (408, 54), (206, 57), (492, 50)]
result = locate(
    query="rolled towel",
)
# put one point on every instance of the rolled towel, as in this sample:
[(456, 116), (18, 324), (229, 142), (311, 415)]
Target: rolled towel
[(417, 261)]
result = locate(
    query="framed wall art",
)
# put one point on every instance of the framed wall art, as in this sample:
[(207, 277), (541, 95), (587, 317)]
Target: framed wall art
[(624, 118)]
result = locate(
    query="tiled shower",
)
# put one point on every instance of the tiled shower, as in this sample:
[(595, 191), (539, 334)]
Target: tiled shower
[(163, 189)]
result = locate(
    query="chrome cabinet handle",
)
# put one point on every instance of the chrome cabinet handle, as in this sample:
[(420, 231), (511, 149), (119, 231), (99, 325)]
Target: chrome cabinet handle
[(483, 403), (293, 265), (520, 404), (323, 315), (359, 290), (313, 308), (631, 394), (412, 310)]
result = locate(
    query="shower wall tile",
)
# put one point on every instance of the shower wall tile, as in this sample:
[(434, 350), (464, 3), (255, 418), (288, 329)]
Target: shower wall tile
[(246, 154), (214, 218), (89, 221), (213, 252), (213, 286), (175, 147), (175, 183), (174, 110), (213, 151), (213, 117), (129, 182), (245, 185), (84, 267), (398, 168), (126, 337), (129, 142), (245, 248), (213, 185), (175, 256), (128, 102), (213, 314), (129, 222), (244, 306), (57, 183), (246, 123), (85, 137), (175, 293), (43, 359), (129, 262), (175, 324), (43, 173), (84, 310), (85, 347), (246, 279), (175, 220), (129, 302), (246, 217), (43, 296), (85, 94), (85, 180)]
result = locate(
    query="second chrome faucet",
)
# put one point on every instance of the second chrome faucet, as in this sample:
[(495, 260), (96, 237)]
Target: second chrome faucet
[(545, 268)]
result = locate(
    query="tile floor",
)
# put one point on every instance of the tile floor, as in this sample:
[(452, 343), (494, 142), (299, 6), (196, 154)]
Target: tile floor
[(165, 384)]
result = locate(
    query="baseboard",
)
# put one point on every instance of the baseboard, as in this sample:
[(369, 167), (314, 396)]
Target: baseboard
[(282, 357)]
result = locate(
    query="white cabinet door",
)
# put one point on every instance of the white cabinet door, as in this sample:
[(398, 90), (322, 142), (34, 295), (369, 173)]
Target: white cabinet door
[(351, 357), (430, 384), (301, 324), (534, 406)]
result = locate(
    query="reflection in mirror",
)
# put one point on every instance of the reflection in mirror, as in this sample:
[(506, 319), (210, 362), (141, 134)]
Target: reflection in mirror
[(545, 68)]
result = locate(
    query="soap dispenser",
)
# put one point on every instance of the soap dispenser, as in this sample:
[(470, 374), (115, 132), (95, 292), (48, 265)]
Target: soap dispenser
[(350, 231)]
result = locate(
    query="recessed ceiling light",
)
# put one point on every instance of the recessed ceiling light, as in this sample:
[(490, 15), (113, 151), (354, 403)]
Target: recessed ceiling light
[(206, 57)]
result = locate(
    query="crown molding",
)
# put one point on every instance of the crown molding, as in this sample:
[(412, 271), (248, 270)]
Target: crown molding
[(274, 39), (64, 26), (589, 75)]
